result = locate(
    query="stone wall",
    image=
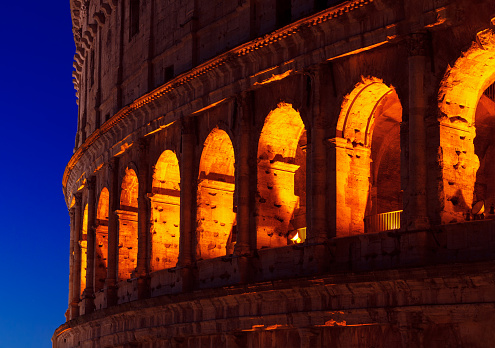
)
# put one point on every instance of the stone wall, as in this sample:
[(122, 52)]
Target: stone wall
[(229, 155)]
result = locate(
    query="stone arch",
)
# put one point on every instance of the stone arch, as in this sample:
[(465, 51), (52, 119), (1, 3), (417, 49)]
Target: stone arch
[(101, 251), (281, 188), (165, 212), (368, 158), (463, 107), (128, 224), (215, 200), (83, 243)]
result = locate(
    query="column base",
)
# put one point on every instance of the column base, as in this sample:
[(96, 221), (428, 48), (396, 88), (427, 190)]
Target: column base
[(415, 223), (246, 268), (110, 295), (88, 303), (74, 310)]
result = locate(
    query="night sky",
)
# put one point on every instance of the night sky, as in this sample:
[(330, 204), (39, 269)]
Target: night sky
[(38, 123)]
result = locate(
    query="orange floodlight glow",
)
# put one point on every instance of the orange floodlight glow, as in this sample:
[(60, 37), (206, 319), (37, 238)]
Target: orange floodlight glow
[(215, 200), (281, 190), (296, 238)]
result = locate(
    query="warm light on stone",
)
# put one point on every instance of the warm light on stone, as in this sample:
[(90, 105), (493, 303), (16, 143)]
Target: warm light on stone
[(215, 204), (165, 212), (269, 173), (128, 234), (462, 109), (368, 154), (281, 202)]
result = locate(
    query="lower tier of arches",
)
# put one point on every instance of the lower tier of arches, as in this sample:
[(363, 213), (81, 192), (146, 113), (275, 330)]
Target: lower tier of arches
[(431, 286)]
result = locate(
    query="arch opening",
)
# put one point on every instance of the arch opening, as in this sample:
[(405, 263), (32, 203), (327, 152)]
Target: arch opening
[(368, 155), (281, 188), (465, 116), (128, 225), (83, 244), (165, 212), (484, 149), (216, 217), (101, 253)]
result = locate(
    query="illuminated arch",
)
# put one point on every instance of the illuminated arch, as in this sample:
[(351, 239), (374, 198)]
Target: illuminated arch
[(83, 243), (357, 118), (215, 199), (281, 194), (128, 225), (460, 100), (165, 212), (101, 239), (465, 82), (368, 156)]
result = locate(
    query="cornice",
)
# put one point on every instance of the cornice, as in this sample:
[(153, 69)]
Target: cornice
[(222, 59)]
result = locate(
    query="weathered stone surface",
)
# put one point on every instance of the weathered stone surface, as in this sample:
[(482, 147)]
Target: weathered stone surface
[(265, 173)]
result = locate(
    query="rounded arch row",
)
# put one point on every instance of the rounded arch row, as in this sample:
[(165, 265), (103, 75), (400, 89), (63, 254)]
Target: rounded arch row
[(368, 184)]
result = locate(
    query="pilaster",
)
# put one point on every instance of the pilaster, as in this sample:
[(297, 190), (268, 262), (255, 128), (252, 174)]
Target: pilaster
[(88, 294), (416, 215), (316, 164), (113, 232), (246, 229), (76, 276), (71, 261), (243, 245), (188, 173), (143, 260)]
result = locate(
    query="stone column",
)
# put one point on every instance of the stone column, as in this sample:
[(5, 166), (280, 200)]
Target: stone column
[(417, 216), (143, 264), (246, 234), (76, 276), (113, 232), (243, 243), (188, 174), (71, 261), (317, 231), (90, 268)]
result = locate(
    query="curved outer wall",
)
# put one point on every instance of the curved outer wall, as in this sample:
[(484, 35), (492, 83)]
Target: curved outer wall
[(194, 190)]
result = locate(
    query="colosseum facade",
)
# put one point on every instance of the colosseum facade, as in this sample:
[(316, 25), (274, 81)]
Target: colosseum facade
[(282, 173)]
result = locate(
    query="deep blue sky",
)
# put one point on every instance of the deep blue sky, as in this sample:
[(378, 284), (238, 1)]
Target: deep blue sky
[(38, 114)]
